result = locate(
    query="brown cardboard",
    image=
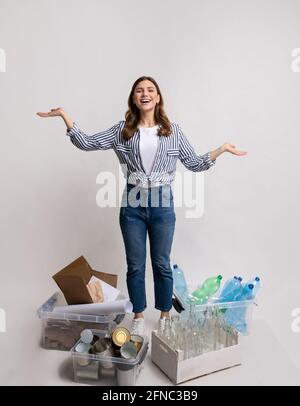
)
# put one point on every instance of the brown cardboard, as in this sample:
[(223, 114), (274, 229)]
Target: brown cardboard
[(73, 279)]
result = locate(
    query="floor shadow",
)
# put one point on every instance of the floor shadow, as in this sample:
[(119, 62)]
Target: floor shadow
[(65, 370)]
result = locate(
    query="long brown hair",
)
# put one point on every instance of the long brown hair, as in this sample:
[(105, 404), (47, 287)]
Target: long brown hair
[(132, 115)]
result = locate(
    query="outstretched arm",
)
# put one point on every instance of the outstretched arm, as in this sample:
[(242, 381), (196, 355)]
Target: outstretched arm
[(102, 140), (190, 159), (198, 163)]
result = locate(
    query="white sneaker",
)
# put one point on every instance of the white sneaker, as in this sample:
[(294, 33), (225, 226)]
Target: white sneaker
[(161, 325), (138, 326)]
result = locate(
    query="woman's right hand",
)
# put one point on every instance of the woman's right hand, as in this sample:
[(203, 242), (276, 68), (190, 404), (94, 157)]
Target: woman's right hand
[(58, 112)]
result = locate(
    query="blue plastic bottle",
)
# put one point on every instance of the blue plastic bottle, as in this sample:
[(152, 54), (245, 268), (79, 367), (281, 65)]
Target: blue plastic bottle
[(179, 282), (236, 316), (246, 293), (231, 289), (256, 283)]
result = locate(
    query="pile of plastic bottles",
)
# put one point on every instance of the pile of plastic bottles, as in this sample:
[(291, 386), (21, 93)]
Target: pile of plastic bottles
[(233, 291)]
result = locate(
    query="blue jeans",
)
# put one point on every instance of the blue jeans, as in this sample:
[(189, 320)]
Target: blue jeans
[(153, 212)]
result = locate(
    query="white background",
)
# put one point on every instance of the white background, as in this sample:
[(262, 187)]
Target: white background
[(224, 68)]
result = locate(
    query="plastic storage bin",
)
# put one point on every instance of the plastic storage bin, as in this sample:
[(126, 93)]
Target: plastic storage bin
[(106, 369), (60, 331), (206, 344), (237, 315)]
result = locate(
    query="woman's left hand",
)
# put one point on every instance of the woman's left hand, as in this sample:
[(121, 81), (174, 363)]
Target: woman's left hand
[(231, 148)]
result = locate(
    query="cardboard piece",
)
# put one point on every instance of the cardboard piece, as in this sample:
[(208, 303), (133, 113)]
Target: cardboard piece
[(73, 279)]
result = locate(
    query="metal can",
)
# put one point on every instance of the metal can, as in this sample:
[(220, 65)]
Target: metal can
[(120, 336), (128, 350), (83, 358), (99, 346), (86, 336), (137, 341)]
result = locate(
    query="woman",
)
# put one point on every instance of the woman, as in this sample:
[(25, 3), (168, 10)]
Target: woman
[(148, 146)]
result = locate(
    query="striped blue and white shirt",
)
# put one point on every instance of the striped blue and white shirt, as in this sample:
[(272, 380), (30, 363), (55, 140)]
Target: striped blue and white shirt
[(169, 150)]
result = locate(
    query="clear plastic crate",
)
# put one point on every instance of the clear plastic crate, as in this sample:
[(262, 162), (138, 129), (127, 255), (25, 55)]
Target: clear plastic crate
[(107, 369), (60, 331), (235, 315)]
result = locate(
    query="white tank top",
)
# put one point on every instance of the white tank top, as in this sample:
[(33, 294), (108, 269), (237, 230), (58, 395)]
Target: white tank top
[(148, 146)]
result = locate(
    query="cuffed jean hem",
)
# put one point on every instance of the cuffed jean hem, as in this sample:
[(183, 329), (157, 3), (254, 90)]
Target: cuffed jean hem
[(163, 310), (139, 311)]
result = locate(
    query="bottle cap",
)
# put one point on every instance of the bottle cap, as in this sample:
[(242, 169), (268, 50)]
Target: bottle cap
[(120, 336)]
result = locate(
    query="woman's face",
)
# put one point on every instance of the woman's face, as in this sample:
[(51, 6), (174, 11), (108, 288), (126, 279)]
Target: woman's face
[(145, 96)]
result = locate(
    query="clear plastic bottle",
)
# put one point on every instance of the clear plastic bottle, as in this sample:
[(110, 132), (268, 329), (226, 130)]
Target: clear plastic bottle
[(179, 282), (231, 289)]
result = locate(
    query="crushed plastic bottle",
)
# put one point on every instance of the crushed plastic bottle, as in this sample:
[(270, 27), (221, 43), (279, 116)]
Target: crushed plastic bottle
[(209, 287), (231, 289), (236, 316)]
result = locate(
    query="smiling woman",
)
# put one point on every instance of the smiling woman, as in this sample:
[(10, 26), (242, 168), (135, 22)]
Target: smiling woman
[(149, 146), (146, 108)]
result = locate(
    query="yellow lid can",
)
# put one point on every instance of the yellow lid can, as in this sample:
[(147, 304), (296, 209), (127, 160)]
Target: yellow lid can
[(120, 336)]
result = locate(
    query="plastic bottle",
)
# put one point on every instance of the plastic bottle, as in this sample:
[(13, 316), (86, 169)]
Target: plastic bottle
[(231, 289), (207, 289), (247, 293), (256, 283), (236, 316), (179, 281)]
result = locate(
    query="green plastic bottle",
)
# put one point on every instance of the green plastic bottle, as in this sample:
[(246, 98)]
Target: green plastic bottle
[(207, 289)]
